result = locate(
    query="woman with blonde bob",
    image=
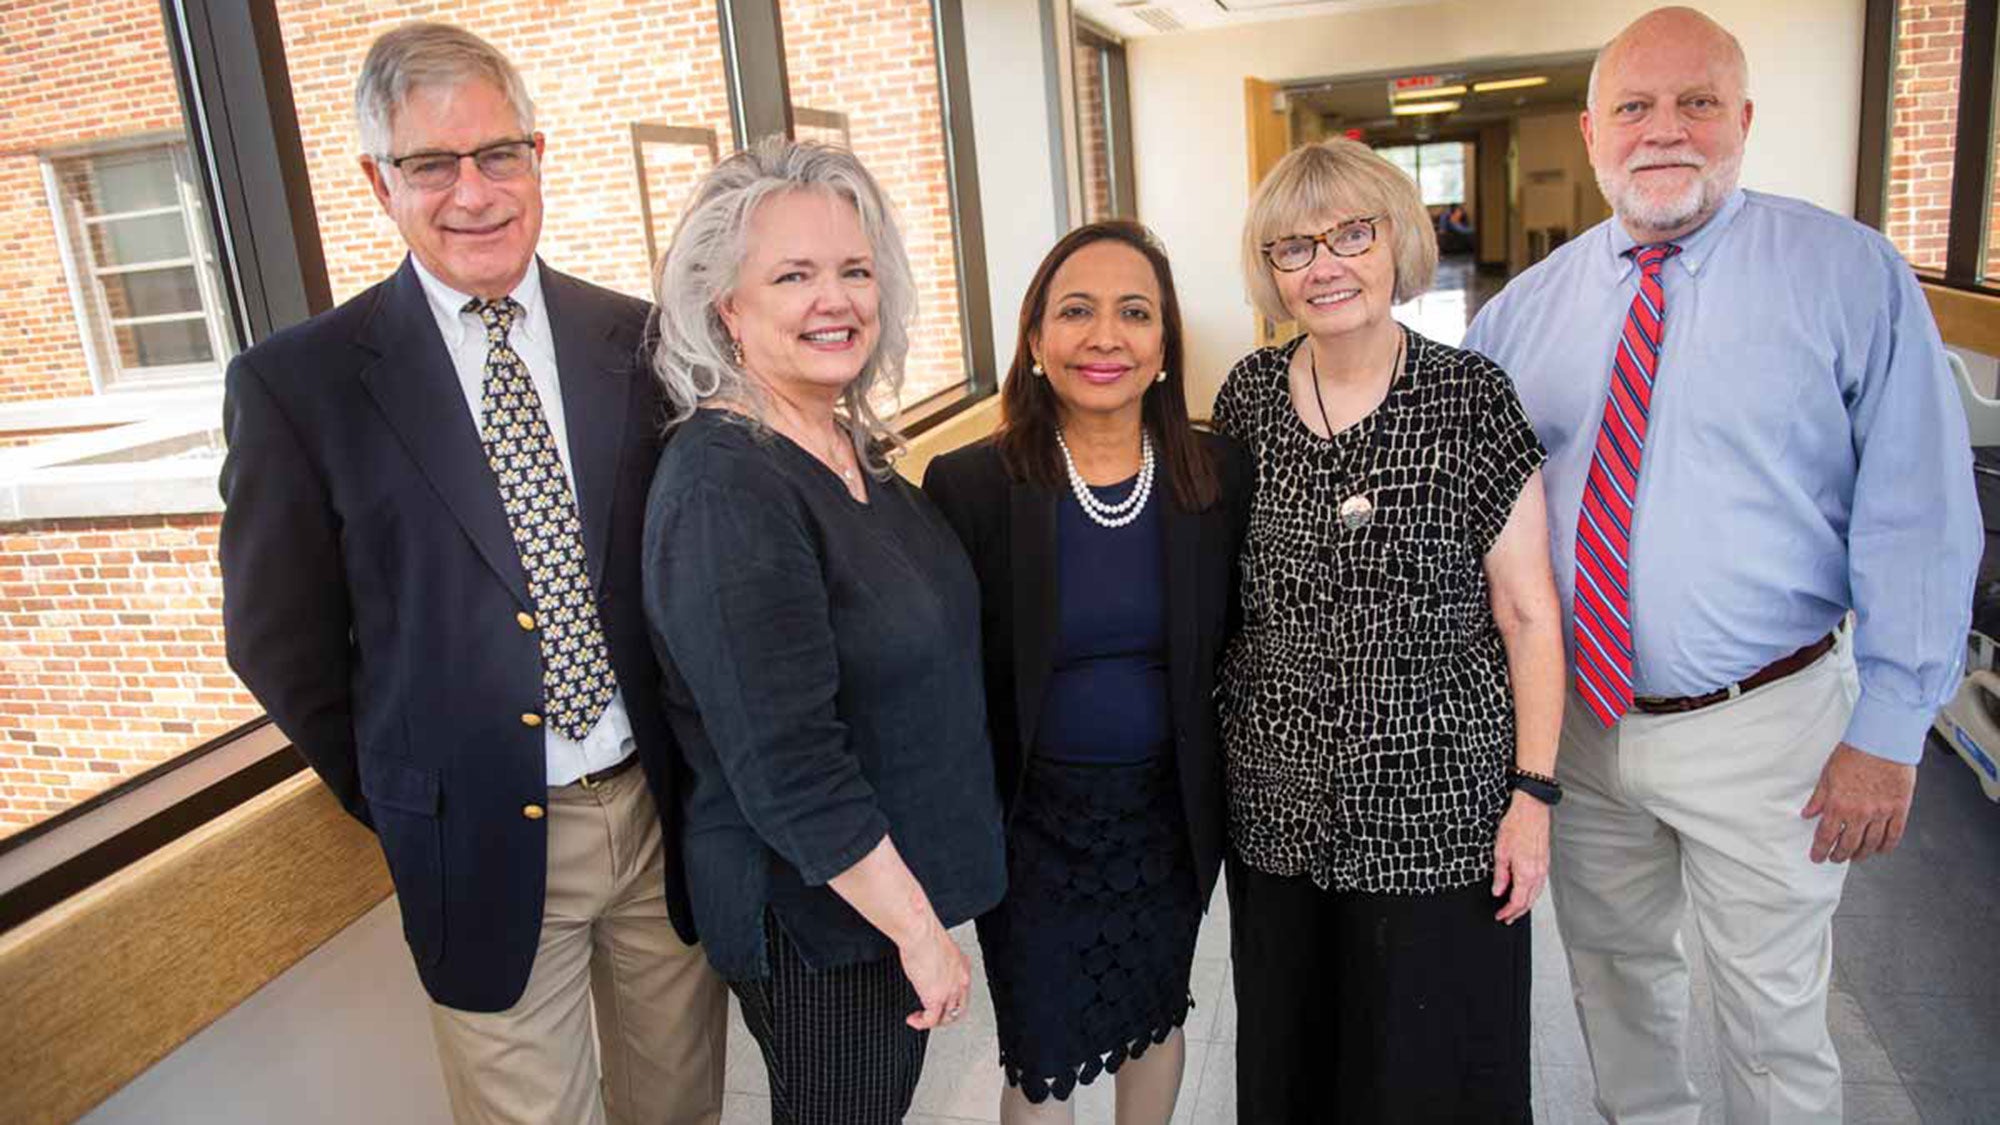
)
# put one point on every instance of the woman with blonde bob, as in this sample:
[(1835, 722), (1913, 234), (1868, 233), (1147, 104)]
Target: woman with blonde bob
[(1390, 706), (818, 627)]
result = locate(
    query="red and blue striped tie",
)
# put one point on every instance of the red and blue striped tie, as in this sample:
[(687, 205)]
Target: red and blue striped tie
[(1604, 526)]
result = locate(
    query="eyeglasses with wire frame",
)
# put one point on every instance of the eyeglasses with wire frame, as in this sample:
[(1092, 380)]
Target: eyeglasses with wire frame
[(436, 170), (1350, 239)]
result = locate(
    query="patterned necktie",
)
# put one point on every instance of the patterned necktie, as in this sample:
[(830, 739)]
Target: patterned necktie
[(577, 681), (1604, 526)]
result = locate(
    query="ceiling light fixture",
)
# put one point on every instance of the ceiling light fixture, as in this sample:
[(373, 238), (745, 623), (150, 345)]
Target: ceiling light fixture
[(1413, 109), (1509, 84), (1429, 92)]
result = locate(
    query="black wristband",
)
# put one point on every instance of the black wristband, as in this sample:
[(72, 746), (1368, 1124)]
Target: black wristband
[(1541, 787)]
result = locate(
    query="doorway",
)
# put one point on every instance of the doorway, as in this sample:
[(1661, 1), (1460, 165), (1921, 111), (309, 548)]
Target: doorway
[(1493, 147)]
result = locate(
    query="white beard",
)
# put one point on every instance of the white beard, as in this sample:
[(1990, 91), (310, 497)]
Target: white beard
[(1650, 211)]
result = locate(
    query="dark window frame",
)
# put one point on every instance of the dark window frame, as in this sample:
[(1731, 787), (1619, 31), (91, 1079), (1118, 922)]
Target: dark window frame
[(235, 87), (1974, 151), (1117, 110)]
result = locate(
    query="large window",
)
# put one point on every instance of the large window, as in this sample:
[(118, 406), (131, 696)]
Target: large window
[(111, 293), (1929, 142), (1103, 127), (124, 274), (866, 71), (1438, 169), (141, 270), (629, 94), (1924, 127)]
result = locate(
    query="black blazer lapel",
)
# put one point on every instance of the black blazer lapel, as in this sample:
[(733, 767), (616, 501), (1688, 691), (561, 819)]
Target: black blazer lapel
[(414, 383), (1032, 531), (1183, 533), (595, 368)]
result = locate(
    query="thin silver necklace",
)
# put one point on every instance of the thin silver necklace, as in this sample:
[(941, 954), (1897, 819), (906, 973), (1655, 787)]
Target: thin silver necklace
[(1126, 510), (1358, 510)]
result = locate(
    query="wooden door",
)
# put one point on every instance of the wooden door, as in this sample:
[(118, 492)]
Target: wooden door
[(1268, 127)]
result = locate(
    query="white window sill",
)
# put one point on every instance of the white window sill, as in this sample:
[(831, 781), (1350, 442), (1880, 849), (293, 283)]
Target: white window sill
[(113, 407), (165, 465)]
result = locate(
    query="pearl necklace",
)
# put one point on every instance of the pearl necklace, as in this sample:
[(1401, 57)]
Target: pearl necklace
[(1126, 510)]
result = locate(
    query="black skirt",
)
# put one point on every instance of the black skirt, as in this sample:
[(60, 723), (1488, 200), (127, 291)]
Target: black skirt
[(1088, 956)]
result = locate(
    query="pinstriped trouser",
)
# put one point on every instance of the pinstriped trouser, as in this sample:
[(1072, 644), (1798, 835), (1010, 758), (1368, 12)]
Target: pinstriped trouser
[(834, 1042)]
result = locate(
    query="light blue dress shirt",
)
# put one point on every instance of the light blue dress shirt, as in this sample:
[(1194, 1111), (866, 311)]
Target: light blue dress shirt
[(1806, 453)]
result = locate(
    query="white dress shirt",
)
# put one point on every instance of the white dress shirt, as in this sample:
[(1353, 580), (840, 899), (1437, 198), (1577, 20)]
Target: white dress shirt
[(465, 338)]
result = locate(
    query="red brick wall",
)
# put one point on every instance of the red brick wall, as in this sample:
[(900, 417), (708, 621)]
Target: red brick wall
[(1925, 114), (111, 655)]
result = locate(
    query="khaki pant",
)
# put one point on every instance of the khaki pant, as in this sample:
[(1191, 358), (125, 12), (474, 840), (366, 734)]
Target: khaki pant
[(661, 1014), (1662, 811)]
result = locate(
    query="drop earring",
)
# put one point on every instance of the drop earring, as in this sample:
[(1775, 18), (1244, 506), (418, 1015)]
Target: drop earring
[(736, 352), (1161, 377), (1036, 367)]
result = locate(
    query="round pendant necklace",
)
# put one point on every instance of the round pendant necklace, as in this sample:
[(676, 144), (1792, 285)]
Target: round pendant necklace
[(1358, 510), (1126, 510), (834, 462)]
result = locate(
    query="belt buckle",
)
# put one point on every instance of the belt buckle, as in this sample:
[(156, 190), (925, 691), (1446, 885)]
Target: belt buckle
[(588, 781)]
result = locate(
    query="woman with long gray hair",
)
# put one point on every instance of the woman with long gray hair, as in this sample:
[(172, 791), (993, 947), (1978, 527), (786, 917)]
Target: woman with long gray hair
[(818, 628)]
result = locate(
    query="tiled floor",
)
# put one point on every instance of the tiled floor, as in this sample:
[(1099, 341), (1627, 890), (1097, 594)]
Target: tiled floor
[(1915, 1009)]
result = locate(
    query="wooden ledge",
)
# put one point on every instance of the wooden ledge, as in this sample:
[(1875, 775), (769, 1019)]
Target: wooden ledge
[(106, 984), (1965, 319)]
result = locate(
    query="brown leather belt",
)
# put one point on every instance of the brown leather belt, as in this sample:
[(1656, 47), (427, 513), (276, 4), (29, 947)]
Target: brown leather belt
[(1769, 674), (593, 780)]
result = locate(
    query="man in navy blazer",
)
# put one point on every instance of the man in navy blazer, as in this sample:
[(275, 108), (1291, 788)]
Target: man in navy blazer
[(430, 562)]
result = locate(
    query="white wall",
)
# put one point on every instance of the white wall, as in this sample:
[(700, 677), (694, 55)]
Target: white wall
[(1010, 122), (341, 1037), (1189, 145)]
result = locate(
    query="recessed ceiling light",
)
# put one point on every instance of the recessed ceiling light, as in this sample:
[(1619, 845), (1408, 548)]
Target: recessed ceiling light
[(1431, 92), (1509, 84), (1412, 109)]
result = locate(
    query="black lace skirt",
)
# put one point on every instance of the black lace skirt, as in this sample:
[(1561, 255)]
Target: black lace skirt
[(1088, 956)]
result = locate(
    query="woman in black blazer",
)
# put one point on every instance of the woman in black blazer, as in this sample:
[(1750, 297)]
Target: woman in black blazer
[(1104, 531)]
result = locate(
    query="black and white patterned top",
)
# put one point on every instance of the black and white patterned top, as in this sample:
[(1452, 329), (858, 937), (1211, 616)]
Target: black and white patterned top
[(1367, 719)]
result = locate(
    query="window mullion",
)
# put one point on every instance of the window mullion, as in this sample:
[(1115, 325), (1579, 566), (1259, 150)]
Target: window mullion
[(1972, 160), (753, 66)]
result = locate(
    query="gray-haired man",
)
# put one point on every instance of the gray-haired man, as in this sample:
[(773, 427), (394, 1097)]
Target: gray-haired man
[(431, 572)]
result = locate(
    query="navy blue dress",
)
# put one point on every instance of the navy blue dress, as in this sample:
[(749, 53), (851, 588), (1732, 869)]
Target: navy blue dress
[(1089, 954)]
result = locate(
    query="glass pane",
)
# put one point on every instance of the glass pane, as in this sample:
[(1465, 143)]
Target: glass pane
[(136, 181), (665, 70), (151, 238), (153, 292), (1443, 178), (821, 127), (1923, 124), (112, 625), (1402, 156), (1093, 133), (874, 62), (1991, 271), (670, 170), (163, 345)]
